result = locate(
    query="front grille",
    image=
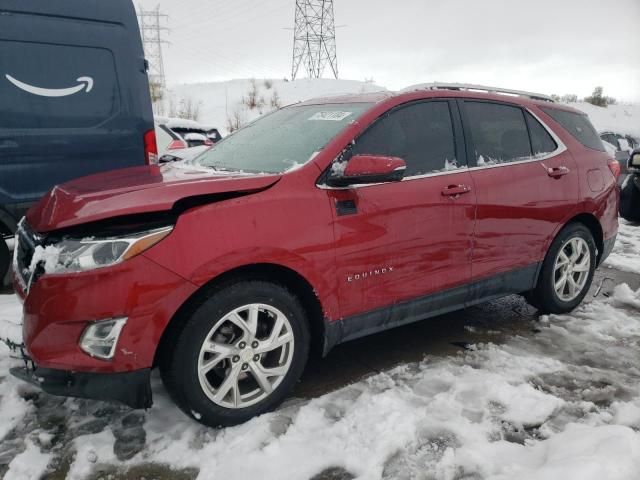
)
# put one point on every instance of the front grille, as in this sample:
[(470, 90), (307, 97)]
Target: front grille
[(26, 242)]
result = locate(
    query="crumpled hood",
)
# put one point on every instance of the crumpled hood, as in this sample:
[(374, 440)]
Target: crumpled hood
[(134, 190)]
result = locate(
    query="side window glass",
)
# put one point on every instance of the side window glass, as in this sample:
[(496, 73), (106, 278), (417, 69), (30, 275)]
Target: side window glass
[(499, 133), (421, 134), (541, 141)]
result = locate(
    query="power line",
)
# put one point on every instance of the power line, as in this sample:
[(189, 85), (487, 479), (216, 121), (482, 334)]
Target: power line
[(314, 38), (151, 30)]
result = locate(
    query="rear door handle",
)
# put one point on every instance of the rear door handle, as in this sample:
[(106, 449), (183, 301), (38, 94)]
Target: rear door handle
[(557, 172), (455, 190)]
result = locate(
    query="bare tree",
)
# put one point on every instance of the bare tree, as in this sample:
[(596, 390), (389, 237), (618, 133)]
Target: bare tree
[(189, 109), (569, 98), (252, 95), (173, 109), (156, 91), (236, 120), (275, 101)]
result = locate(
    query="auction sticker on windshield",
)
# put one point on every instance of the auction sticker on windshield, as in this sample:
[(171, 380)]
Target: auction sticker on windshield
[(331, 116)]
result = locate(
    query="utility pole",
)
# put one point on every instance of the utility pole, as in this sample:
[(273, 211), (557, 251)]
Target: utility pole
[(151, 30), (314, 38)]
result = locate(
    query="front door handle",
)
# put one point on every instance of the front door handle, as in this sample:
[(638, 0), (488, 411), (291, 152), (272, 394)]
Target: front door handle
[(455, 190), (557, 172)]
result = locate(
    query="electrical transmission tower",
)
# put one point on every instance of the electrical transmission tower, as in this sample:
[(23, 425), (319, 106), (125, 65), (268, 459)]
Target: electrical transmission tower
[(314, 38), (151, 30)]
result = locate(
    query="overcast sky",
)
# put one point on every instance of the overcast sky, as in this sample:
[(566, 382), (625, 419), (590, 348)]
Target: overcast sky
[(547, 46)]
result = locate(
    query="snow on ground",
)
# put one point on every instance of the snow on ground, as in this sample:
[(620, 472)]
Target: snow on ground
[(560, 403), (626, 255)]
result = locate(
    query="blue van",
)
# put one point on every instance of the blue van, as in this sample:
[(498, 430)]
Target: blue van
[(74, 98)]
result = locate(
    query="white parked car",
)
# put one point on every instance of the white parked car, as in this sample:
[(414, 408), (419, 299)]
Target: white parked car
[(180, 139)]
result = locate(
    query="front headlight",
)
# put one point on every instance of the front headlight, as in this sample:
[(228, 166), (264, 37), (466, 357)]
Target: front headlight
[(77, 255)]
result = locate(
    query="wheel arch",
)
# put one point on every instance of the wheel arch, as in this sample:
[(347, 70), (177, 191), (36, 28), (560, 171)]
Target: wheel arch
[(587, 219), (269, 272), (591, 222)]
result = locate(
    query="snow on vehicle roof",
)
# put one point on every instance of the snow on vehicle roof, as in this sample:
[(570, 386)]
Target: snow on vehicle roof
[(172, 122), (195, 136)]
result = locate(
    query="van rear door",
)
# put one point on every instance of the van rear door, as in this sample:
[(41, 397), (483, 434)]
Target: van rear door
[(74, 93)]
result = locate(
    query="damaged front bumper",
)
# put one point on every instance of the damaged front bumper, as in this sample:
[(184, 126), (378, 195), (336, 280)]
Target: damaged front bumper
[(130, 388)]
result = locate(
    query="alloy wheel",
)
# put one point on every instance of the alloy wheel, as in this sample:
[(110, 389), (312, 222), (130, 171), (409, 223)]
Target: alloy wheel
[(246, 355), (571, 269)]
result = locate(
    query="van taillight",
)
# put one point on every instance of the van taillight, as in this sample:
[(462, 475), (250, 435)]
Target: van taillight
[(150, 148), (176, 145), (208, 142), (614, 166)]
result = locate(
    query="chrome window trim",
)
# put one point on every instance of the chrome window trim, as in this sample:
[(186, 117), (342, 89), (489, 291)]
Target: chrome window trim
[(561, 148)]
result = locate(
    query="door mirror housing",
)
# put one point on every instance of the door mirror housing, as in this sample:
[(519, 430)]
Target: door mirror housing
[(634, 159), (362, 169)]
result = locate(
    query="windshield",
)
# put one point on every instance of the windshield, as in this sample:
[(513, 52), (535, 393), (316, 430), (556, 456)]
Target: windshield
[(284, 140)]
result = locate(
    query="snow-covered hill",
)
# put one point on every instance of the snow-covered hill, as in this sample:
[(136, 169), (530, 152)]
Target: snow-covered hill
[(624, 119), (219, 101)]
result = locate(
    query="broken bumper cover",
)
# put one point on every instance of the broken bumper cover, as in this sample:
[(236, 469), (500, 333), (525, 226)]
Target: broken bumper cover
[(131, 388)]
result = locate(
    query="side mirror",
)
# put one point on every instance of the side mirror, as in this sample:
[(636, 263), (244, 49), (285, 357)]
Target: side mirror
[(634, 159), (362, 169)]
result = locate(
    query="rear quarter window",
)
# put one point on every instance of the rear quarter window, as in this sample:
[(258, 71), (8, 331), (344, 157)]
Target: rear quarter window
[(56, 86), (578, 125)]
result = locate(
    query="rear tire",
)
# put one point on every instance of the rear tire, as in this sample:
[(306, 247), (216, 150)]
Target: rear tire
[(567, 271), (5, 260), (223, 368)]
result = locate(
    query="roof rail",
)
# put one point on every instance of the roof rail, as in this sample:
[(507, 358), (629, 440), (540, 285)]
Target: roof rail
[(477, 88)]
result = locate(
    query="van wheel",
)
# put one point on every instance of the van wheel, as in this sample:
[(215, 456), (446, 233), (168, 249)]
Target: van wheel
[(239, 354), (567, 271), (5, 260)]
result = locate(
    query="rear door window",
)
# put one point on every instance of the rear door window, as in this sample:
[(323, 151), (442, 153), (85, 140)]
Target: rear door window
[(421, 134), (61, 86), (578, 125), (499, 133)]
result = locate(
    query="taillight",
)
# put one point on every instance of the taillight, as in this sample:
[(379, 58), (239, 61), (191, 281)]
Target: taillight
[(150, 148), (176, 145), (614, 166), (208, 142)]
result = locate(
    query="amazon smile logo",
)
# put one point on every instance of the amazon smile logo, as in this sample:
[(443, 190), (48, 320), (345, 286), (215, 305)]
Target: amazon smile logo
[(84, 83)]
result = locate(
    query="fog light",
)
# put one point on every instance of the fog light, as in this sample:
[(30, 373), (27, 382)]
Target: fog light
[(100, 338)]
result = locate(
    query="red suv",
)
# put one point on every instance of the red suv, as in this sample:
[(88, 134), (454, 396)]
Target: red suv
[(317, 224)]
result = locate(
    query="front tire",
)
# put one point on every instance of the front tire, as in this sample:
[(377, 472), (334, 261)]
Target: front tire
[(239, 355), (567, 271)]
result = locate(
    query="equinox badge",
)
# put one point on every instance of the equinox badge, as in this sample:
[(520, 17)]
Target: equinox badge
[(371, 273)]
